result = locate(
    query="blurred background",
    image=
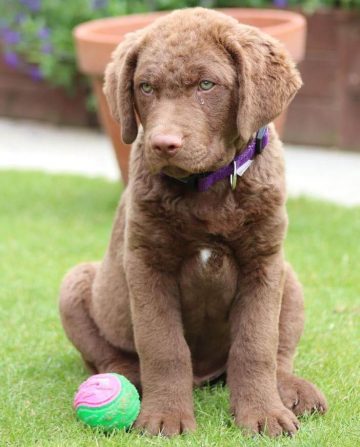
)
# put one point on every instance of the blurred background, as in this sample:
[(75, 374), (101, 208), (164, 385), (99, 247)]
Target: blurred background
[(40, 80)]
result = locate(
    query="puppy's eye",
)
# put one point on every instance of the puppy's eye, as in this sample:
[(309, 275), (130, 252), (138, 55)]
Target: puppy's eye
[(146, 88), (206, 85)]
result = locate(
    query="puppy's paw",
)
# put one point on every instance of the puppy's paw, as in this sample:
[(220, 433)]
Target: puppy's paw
[(300, 396), (169, 423), (273, 422)]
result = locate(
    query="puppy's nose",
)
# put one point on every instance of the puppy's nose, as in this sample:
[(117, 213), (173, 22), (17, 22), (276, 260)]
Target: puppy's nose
[(166, 144)]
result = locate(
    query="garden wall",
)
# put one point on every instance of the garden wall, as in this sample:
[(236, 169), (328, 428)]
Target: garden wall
[(21, 97), (327, 109)]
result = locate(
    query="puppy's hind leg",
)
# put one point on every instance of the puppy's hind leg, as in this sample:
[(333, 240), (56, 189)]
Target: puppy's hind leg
[(297, 394), (98, 354)]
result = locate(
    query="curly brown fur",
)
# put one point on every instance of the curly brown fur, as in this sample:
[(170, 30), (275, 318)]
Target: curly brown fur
[(195, 284)]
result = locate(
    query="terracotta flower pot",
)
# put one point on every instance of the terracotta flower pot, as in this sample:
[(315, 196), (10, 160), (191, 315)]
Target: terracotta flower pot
[(95, 41)]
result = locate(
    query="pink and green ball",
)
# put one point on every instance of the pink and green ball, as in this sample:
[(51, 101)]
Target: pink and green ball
[(108, 401)]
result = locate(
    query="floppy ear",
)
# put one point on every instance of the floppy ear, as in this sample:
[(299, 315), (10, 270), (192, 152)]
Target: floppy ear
[(267, 78), (118, 86)]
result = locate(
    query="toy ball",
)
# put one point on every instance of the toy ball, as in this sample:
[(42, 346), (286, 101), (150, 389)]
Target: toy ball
[(107, 401)]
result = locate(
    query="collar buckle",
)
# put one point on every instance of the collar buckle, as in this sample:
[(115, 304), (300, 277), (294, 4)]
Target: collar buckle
[(260, 140), (233, 177)]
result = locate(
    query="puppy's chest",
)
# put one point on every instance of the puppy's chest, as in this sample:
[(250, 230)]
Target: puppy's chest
[(224, 222), (207, 283), (222, 218), (206, 229)]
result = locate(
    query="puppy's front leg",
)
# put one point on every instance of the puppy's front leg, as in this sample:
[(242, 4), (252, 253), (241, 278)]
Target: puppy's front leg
[(255, 401), (165, 360)]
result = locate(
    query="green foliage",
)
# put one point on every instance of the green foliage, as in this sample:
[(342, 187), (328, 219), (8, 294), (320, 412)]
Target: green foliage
[(39, 33)]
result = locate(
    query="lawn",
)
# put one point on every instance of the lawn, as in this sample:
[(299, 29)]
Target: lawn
[(49, 223)]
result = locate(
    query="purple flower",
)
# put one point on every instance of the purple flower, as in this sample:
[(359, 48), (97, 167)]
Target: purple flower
[(33, 5), (11, 59), (47, 48), (35, 73), (280, 3), (10, 36), (99, 4), (44, 33)]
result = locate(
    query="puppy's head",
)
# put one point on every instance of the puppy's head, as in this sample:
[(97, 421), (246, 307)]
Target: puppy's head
[(201, 84)]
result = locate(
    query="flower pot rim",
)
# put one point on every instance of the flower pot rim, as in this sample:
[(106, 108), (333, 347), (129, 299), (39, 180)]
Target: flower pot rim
[(91, 31), (96, 40)]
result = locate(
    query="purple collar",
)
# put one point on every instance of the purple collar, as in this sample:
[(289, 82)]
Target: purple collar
[(202, 182)]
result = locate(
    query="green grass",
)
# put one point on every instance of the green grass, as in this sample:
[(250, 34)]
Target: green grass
[(49, 223)]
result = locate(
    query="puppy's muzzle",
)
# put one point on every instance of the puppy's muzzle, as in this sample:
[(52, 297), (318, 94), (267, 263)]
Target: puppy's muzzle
[(166, 145)]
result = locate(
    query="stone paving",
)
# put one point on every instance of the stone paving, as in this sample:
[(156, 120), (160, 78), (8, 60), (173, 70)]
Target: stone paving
[(326, 174)]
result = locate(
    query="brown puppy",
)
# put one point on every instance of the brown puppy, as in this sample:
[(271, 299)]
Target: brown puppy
[(195, 283)]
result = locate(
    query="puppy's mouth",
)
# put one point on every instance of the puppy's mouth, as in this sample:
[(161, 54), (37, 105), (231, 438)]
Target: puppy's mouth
[(175, 172), (180, 168)]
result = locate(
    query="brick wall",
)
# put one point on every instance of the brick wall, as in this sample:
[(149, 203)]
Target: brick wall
[(327, 109), (21, 97)]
